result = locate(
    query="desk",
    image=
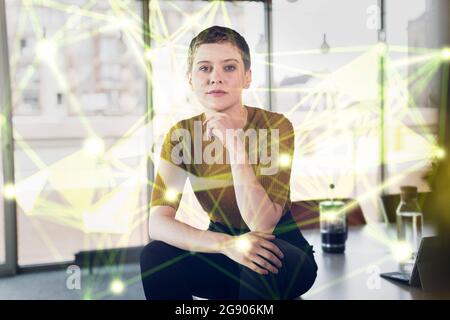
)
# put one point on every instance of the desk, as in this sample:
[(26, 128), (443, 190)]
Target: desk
[(355, 274)]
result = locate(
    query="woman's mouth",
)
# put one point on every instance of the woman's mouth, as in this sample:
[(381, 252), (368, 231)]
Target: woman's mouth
[(216, 93)]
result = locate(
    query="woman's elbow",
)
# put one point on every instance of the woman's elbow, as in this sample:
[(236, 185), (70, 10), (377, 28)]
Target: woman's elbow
[(151, 228), (156, 221)]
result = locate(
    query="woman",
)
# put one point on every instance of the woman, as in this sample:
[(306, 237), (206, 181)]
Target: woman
[(252, 248)]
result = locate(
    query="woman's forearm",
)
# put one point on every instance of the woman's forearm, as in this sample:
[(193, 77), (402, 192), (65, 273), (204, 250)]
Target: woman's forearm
[(186, 237), (257, 209)]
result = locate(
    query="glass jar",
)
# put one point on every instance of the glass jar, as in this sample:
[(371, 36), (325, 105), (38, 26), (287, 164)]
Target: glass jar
[(409, 227), (333, 226)]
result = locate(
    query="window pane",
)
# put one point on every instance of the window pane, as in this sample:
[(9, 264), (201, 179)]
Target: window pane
[(78, 80), (173, 99), (326, 83), (2, 218), (413, 92)]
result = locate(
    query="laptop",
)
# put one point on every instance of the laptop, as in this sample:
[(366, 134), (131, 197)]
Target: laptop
[(430, 267)]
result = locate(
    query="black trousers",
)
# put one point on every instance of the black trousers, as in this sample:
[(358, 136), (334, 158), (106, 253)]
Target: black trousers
[(170, 273)]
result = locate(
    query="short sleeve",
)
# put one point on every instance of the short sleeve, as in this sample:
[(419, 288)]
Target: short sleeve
[(171, 175), (275, 178)]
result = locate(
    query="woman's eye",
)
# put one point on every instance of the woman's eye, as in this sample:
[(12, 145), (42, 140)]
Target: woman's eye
[(230, 68), (203, 68)]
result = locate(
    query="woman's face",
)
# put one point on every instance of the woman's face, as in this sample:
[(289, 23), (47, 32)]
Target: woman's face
[(218, 76)]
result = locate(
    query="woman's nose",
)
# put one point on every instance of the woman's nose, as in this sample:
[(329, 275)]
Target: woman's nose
[(215, 77)]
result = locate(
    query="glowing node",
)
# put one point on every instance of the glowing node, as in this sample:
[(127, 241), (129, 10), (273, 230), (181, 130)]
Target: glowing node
[(87, 296), (402, 251), (9, 191), (191, 20), (94, 146), (117, 286), (330, 216), (440, 153), (446, 54), (171, 195), (381, 48), (46, 50), (125, 23), (243, 245), (148, 54), (285, 160)]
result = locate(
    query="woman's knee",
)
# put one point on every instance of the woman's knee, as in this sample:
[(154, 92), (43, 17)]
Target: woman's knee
[(296, 275), (156, 274), (294, 253), (299, 267), (157, 252), (303, 282)]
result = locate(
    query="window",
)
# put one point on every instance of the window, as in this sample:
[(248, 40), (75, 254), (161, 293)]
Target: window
[(413, 94), (326, 82), (78, 82), (2, 234)]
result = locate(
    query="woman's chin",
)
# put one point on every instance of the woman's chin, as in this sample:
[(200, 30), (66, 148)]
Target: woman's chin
[(215, 107)]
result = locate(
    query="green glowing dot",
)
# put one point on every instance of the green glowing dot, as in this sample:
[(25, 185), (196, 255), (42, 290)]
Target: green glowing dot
[(46, 50), (243, 244), (117, 286), (9, 191), (446, 54), (285, 160), (402, 251), (381, 48), (148, 54), (94, 146), (440, 153), (171, 195)]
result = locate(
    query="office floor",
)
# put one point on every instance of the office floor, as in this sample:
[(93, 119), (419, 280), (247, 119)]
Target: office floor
[(53, 285)]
